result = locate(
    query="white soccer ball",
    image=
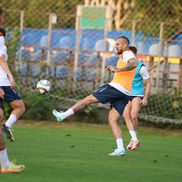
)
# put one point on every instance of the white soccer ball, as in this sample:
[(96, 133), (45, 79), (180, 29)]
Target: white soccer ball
[(44, 86)]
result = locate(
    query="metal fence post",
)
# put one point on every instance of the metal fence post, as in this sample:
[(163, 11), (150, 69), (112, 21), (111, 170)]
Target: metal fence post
[(165, 69), (104, 49), (21, 34), (159, 56), (49, 37), (133, 32), (180, 74), (70, 73), (77, 49), (103, 58)]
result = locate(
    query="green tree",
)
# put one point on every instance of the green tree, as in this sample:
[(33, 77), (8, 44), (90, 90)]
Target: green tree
[(152, 12)]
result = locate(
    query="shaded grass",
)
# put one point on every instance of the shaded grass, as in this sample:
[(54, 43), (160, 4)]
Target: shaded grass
[(70, 152)]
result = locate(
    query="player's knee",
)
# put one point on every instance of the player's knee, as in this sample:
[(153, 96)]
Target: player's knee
[(126, 116), (90, 99), (19, 105), (112, 121)]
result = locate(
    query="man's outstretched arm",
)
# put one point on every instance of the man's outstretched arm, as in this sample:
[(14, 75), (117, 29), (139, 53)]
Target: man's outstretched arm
[(129, 66)]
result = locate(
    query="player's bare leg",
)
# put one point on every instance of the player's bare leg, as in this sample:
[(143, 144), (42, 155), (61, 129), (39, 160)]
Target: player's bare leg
[(18, 109), (4, 161), (6, 165), (134, 118), (113, 123), (2, 143), (129, 114), (135, 111), (129, 124), (78, 107)]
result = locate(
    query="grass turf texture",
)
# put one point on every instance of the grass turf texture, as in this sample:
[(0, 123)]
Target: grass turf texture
[(71, 152)]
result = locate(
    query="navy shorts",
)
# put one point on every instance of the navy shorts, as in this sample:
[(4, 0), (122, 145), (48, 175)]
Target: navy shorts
[(136, 96), (10, 95), (108, 94), (119, 105)]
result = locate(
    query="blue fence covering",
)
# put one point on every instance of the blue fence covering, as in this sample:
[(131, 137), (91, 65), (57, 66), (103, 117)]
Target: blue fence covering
[(89, 40), (66, 38)]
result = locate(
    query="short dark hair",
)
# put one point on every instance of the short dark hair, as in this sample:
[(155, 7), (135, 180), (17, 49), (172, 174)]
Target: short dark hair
[(1, 11), (133, 49), (2, 32), (123, 37)]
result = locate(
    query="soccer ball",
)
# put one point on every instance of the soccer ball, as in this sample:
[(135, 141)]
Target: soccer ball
[(43, 86)]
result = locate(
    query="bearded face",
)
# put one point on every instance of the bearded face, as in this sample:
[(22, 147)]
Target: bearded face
[(121, 45)]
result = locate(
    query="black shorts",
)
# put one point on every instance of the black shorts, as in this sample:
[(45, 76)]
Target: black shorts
[(10, 95), (108, 94)]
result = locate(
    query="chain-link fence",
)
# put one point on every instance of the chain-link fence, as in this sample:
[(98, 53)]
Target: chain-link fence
[(62, 42)]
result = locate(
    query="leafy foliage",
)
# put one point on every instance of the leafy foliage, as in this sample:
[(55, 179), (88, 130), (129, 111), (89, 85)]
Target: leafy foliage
[(38, 107)]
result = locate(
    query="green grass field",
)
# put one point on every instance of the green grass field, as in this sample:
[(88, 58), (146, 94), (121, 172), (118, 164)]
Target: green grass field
[(71, 152)]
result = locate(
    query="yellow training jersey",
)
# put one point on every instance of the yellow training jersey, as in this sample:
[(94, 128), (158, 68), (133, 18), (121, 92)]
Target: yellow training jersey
[(125, 78)]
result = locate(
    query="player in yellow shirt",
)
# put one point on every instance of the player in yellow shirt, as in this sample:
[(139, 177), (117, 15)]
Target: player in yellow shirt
[(131, 110), (118, 89)]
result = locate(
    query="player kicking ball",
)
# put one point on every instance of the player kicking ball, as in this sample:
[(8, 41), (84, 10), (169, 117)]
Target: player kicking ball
[(130, 114), (118, 89)]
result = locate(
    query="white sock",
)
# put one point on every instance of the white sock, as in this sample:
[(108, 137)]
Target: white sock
[(4, 161), (11, 120), (133, 134), (68, 113), (119, 143)]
